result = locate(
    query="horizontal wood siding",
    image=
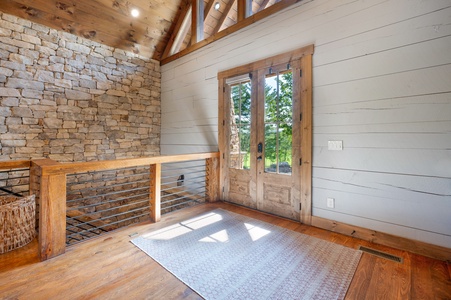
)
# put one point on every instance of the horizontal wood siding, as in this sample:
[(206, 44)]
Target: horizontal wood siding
[(381, 84)]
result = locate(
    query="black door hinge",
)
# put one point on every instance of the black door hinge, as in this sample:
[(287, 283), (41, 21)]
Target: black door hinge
[(300, 161), (300, 117), (300, 206), (223, 155), (300, 73), (223, 89), (223, 122)]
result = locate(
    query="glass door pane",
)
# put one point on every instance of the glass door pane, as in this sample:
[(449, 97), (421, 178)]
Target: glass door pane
[(278, 122), (240, 125)]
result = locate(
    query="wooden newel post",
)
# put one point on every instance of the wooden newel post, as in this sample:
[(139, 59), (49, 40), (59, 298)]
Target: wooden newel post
[(52, 212), (155, 192), (212, 179)]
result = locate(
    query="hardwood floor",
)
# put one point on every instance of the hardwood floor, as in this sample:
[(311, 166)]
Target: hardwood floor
[(110, 267)]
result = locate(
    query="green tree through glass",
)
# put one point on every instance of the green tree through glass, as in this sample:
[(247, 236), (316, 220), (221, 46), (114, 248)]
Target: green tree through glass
[(241, 124), (278, 120)]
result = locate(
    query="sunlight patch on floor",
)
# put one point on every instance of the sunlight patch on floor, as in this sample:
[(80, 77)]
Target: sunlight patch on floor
[(182, 228), (256, 232), (218, 237), (202, 221)]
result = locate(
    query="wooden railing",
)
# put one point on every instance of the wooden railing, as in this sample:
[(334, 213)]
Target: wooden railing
[(14, 164), (14, 178), (48, 182)]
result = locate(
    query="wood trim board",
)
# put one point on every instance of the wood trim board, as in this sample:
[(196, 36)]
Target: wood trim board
[(422, 248), (268, 62)]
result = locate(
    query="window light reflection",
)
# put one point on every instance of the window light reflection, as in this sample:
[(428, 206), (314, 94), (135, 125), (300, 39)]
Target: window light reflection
[(167, 233), (202, 221), (222, 236), (182, 228), (256, 232), (218, 237)]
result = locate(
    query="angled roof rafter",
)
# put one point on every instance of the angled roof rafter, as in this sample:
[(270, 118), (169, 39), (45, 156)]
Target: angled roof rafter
[(263, 5), (179, 32), (208, 8), (224, 16), (218, 23)]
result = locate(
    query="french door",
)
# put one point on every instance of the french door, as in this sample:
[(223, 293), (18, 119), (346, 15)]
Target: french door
[(265, 136)]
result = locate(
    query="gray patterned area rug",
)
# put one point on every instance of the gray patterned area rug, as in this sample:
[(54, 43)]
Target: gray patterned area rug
[(223, 255)]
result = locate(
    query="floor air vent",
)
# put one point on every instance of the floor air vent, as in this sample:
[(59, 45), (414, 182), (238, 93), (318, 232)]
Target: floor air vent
[(381, 254)]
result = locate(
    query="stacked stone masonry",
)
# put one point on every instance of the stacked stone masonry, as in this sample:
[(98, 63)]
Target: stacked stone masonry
[(71, 99)]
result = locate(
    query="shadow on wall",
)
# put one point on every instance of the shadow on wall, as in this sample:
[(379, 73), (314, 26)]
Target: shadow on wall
[(208, 131)]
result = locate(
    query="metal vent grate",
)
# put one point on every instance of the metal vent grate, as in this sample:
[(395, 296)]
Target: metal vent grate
[(381, 254)]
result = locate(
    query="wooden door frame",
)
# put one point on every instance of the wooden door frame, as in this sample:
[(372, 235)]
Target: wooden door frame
[(304, 55)]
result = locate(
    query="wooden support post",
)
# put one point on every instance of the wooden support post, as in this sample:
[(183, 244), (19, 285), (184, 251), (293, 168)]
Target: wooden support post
[(35, 175), (212, 179), (52, 210), (306, 139), (35, 187), (155, 192), (52, 216), (244, 9)]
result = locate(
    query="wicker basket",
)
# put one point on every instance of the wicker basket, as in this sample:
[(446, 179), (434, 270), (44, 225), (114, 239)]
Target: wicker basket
[(17, 222)]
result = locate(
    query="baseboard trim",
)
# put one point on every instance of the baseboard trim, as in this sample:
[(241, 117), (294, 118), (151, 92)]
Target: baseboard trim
[(422, 248)]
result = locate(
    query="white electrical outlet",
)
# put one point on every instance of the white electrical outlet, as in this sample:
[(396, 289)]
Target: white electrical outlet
[(331, 202), (335, 145)]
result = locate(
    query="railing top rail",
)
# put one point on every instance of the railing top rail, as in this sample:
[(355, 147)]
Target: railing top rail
[(79, 167), (14, 164)]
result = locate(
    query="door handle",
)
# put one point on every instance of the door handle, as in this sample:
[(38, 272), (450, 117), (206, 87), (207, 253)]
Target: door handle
[(260, 148), (259, 158)]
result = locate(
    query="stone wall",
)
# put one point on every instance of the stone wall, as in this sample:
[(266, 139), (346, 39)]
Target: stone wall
[(70, 99)]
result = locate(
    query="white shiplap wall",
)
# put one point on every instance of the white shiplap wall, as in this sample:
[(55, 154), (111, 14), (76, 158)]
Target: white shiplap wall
[(382, 84)]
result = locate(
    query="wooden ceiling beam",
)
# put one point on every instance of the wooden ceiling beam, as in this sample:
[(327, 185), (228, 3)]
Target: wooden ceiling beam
[(180, 30), (234, 28), (186, 26), (223, 16), (197, 21), (208, 8)]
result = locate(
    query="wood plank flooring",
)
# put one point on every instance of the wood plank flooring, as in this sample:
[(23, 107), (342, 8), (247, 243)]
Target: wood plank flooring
[(110, 267)]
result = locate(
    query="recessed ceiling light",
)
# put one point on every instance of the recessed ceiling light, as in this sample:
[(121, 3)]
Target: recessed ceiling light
[(134, 12), (217, 5)]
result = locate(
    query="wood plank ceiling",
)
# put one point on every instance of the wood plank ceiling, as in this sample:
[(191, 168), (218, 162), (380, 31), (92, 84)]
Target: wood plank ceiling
[(110, 21)]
